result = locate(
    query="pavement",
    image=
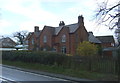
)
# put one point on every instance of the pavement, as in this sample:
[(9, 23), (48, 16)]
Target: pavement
[(74, 79)]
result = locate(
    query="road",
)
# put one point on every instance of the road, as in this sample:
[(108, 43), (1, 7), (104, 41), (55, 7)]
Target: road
[(18, 75)]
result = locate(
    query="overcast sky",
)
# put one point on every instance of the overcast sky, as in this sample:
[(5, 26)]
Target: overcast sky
[(18, 15)]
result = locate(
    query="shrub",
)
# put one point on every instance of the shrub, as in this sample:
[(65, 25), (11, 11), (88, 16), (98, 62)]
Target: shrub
[(47, 58), (86, 49)]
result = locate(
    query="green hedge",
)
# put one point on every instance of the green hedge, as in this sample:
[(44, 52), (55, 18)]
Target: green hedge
[(47, 58), (97, 63)]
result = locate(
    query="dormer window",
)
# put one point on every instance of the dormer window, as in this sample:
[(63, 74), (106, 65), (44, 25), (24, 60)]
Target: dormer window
[(63, 38), (44, 38)]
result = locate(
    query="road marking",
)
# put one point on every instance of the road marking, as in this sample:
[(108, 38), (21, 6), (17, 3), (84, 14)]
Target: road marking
[(2, 80), (38, 74), (8, 79)]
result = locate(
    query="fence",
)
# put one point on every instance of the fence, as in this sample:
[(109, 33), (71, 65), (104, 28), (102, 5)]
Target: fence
[(94, 64), (104, 64)]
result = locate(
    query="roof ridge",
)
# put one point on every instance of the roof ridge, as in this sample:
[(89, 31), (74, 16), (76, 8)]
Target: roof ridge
[(105, 36)]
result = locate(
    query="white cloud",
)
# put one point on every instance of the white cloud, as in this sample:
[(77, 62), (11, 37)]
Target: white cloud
[(33, 11), (28, 25), (36, 15), (5, 23), (58, 1), (97, 29)]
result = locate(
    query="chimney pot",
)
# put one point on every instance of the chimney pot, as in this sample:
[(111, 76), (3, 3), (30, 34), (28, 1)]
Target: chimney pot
[(61, 23), (80, 19), (36, 29)]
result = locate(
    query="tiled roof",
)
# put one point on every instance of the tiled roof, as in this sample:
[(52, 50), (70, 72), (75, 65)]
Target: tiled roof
[(7, 42), (105, 39), (29, 35), (37, 34), (93, 39), (58, 29), (51, 29), (72, 28)]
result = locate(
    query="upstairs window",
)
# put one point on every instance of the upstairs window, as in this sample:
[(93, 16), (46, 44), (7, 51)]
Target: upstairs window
[(45, 39), (63, 38), (32, 40)]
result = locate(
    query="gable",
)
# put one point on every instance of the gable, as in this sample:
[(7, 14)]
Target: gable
[(7, 42), (72, 28), (48, 30)]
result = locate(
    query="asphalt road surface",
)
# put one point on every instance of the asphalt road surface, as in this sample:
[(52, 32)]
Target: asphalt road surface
[(18, 75)]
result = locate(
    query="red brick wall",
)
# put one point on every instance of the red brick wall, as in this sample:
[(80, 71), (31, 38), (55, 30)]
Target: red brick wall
[(46, 31), (72, 44), (36, 42), (64, 31), (107, 45), (77, 37), (31, 46)]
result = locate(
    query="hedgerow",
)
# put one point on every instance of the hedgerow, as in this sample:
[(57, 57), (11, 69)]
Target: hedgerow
[(48, 58)]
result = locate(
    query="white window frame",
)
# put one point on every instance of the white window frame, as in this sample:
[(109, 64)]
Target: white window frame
[(32, 40), (44, 38), (63, 39)]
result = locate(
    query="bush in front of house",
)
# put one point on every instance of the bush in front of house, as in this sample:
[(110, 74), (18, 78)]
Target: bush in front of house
[(86, 49)]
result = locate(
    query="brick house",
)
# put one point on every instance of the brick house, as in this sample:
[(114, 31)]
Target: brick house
[(33, 39), (107, 44), (93, 39), (107, 41), (63, 38), (7, 43)]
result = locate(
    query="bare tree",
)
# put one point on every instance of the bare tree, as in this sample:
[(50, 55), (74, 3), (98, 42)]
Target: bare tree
[(109, 15), (20, 36)]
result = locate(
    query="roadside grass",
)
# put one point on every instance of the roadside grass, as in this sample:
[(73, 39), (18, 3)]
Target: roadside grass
[(64, 71)]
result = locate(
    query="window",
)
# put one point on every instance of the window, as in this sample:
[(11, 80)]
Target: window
[(63, 49), (54, 49), (32, 40), (63, 38), (45, 39), (44, 49), (26, 42), (112, 44)]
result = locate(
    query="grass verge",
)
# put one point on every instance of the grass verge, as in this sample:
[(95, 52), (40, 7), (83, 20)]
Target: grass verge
[(64, 71)]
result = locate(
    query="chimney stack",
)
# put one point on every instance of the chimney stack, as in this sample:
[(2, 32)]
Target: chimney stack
[(36, 29), (80, 19), (61, 23)]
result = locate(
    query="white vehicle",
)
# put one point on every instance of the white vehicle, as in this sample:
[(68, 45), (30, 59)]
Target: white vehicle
[(21, 47)]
